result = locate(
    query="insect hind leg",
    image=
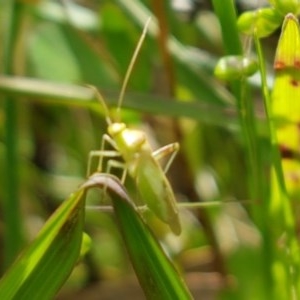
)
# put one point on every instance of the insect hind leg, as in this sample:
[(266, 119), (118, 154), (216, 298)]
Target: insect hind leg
[(170, 149)]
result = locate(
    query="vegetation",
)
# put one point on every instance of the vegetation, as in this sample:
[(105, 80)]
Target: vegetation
[(205, 86)]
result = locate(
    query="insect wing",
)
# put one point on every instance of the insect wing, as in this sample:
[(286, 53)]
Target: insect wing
[(157, 192)]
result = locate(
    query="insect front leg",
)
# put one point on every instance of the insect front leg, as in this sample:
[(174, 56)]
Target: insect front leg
[(102, 153), (112, 163), (170, 149)]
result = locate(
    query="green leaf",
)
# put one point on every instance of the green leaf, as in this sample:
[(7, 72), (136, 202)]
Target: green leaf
[(79, 96), (46, 263), (156, 274)]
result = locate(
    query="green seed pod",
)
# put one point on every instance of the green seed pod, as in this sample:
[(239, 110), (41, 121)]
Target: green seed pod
[(264, 21), (286, 6), (235, 67)]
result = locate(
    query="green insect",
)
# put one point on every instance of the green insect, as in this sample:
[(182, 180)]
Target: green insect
[(139, 160)]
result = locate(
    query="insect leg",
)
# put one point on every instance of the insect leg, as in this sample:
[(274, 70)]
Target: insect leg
[(170, 149), (102, 153), (106, 139), (112, 163)]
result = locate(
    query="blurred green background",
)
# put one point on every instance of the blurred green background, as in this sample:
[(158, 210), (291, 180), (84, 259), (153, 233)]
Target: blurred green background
[(59, 48)]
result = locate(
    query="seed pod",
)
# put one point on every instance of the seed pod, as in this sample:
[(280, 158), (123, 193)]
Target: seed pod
[(235, 67), (264, 21), (286, 6)]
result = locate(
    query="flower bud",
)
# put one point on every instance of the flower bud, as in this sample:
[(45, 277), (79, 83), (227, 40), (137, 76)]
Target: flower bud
[(264, 21), (235, 67), (286, 6)]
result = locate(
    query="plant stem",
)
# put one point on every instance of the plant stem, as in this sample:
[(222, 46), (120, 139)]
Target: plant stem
[(225, 10), (11, 204)]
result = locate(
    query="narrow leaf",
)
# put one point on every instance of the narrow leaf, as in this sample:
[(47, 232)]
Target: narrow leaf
[(46, 263), (156, 274)]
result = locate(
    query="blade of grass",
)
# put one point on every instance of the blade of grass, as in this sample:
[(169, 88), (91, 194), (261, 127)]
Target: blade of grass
[(225, 10), (46, 263), (13, 237), (202, 85), (74, 95), (226, 13), (156, 274)]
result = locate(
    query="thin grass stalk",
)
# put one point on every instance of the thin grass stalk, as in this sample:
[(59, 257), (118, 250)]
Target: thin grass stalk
[(245, 107), (225, 10), (11, 204)]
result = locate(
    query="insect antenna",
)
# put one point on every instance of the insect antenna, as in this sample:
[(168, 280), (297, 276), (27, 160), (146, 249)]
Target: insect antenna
[(130, 67), (102, 101)]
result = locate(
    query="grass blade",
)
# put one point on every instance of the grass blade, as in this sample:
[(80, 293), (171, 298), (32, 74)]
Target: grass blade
[(156, 274), (46, 263), (13, 235)]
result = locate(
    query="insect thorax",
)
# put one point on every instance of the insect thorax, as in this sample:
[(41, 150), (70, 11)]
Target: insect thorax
[(130, 142)]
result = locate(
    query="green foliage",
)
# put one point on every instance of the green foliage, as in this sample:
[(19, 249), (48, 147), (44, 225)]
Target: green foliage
[(45, 264), (51, 121)]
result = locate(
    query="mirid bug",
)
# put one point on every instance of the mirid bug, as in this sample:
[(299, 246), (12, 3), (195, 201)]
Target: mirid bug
[(138, 158)]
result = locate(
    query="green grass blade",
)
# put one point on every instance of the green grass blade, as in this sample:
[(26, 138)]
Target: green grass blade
[(13, 235), (78, 96), (46, 263), (156, 274), (202, 85), (226, 13)]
